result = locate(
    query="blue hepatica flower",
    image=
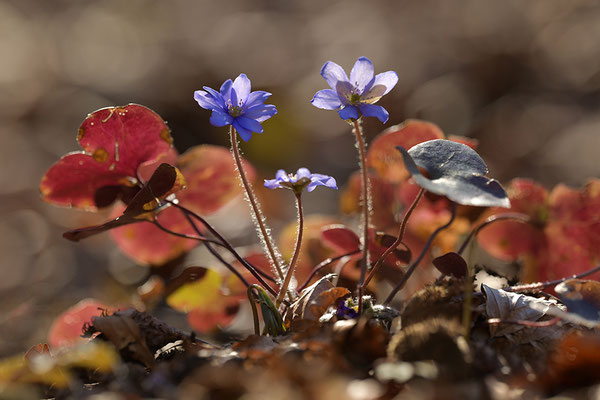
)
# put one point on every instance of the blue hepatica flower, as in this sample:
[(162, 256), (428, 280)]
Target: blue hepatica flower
[(299, 181), (357, 94), (236, 105)]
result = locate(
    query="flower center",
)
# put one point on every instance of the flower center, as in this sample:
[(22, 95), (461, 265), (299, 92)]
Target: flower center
[(234, 110), (354, 98)]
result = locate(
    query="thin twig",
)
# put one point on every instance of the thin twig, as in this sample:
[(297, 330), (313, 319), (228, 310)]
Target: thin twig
[(490, 220), (226, 243), (530, 324), (398, 240), (216, 253), (218, 256), (542, 285), (324, 264), (415, 264), (183, 235)]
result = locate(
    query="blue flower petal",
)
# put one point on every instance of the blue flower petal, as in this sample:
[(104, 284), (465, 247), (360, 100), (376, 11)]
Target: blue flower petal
[(321, 180), (281, 175), (219, 118), (249, 124), (241, 85), (245, 134), (256, 98), (326, 99), (272, 184), (315, 180), (348, 112), (233, 98), (344, 91), (333, 74), (381, 85), (362, 73), (372, 110), (261, 112), (206, 101), (303, 173), (217, 96), (226, 90)]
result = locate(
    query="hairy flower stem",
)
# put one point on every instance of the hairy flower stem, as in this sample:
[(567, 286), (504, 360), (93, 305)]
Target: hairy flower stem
[(290, 272), (366, 205), (258, 215), (415, 264), (396, 243)]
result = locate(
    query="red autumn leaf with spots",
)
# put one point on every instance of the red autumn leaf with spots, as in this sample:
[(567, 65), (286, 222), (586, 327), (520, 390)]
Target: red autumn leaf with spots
[(563, 237), (122, 148), (115, 142)]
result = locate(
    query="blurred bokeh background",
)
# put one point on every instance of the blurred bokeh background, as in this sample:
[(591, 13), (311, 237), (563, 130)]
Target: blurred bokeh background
[(523, 77)]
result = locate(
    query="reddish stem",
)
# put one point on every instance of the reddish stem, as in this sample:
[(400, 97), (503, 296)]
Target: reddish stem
[(398, 241), (415, 264), (490, 220)]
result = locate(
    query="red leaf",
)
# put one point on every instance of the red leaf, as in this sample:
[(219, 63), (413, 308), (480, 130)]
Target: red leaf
[(528, 197), (340, 238), (207, 320), (67, 328), (212, 178), (471, 142), (564, 238), (382, 155), (451, 264), (343, 240), (575, 362), (148, 245), (312, 251), (144, 205), (115, 141)]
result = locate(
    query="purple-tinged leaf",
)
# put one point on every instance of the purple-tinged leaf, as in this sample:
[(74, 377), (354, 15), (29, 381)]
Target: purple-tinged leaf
[(456, 171), (451, 264)]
